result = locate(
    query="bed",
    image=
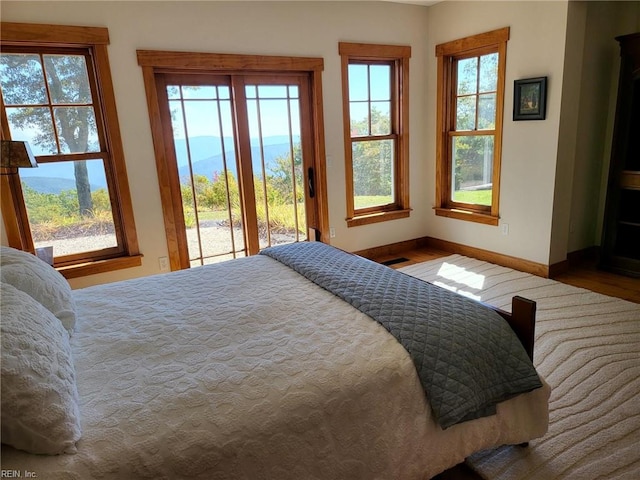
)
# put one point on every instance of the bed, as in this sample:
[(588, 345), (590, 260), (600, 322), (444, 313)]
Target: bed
[(247, 369)]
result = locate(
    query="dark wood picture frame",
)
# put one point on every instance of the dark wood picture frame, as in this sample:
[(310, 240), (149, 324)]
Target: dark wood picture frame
[(530, 99)]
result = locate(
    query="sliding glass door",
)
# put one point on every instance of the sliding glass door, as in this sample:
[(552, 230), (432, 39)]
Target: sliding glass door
[(242, 159)]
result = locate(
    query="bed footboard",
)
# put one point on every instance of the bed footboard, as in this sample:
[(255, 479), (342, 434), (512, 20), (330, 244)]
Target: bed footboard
[(522, 320)]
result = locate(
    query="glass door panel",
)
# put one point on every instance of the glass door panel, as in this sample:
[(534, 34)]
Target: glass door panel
[(204, 142), (209, 128), (273, 113)]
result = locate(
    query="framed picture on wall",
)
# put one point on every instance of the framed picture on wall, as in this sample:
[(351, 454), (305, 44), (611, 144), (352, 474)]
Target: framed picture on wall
[(530, 99)]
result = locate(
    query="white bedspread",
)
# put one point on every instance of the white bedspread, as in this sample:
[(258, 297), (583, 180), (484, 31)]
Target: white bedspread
[(245, 370)]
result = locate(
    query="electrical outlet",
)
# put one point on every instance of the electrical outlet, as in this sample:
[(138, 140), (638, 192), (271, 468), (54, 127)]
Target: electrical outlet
[(163, 262), (332, 232), (505, 229)]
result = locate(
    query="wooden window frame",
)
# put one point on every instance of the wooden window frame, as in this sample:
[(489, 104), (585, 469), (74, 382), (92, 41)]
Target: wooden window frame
[(94, 40), (153, 62), (447, 55), (398, 57)]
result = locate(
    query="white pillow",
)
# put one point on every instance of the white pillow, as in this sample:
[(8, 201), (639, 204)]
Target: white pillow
[(39, 400), (44, 283)]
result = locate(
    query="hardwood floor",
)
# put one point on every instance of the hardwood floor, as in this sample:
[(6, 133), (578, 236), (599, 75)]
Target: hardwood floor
[(581, 273), (586, 274)]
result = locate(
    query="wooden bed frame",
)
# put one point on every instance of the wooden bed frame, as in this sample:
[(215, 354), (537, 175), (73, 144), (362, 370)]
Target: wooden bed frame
[(522, 320)]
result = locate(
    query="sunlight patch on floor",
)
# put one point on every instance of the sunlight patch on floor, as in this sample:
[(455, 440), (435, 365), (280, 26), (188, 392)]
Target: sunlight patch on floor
[(460, 280)]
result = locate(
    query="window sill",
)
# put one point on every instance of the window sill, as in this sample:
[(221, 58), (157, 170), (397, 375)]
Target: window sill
[(377, 217), (99, 266), (467, 215)]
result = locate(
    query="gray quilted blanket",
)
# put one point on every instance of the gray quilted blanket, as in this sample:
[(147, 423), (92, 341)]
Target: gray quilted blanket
[(466, 355)]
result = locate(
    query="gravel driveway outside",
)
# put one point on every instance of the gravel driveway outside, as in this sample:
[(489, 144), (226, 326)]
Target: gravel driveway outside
[(215, 240)]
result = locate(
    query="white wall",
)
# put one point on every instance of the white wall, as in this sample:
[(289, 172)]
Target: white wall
[(568, 130), (529, 148), (278, 28)]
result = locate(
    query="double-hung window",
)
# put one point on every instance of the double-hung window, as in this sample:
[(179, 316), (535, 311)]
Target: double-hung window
[(375, 90), (470, 109), (57, 96)]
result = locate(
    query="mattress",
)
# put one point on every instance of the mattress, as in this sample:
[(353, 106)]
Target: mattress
[(246, 370)]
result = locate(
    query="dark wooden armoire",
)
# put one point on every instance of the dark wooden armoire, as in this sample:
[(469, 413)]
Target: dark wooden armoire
[(620, 250)]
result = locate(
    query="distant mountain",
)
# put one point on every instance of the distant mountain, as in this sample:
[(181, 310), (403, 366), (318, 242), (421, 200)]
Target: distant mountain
[(53, 185), (206, 155), (56, 177), (209, 166), (201, 148)]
